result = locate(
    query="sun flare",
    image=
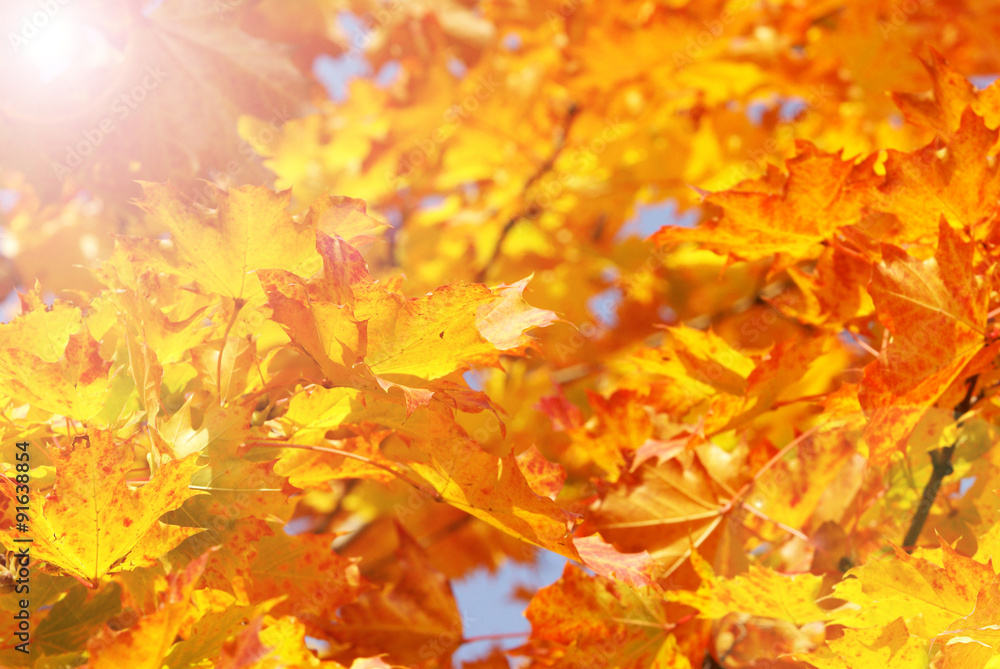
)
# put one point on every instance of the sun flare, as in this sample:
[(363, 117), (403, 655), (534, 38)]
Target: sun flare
[(54, 49)]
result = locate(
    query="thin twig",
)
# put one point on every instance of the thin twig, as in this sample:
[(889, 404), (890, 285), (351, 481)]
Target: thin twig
[(860, 342)]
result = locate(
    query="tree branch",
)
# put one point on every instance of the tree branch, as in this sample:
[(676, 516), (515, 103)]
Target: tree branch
[(941, 461), (532, 210)]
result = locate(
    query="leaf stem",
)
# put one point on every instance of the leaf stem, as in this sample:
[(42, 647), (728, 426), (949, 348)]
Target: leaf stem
[(225, 340), (86, 582), (347, 454), (862, 343)]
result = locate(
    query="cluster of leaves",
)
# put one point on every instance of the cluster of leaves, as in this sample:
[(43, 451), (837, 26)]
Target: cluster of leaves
[(253, 438)]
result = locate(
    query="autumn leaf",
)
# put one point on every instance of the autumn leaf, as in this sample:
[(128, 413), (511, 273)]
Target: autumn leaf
[(889, 646), (251, 230), (666, 509), (146, 643), (957, 183), (495, 490), (761, 592), (952, 94), (931, 591), (77, 617), (634, 569), (49, 358), (820, 193), (936, 312), (317, 308), (416, 614), (341, 318), (258, 565), (581, 616), (94, 523)]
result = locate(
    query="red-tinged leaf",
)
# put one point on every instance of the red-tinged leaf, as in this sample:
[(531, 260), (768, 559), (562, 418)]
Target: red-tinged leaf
[(259, 564), (936, 312), (496, 491), (634, 569), (145, 644), (545, 477), (581, 618), (245, 650), (415, 616)]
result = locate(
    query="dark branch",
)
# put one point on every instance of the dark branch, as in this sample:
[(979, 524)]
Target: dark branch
[(941, 461)]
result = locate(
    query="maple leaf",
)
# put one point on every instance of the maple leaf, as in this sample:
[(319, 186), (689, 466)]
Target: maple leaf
[(283, 644), (957, 182), (415, 615), (494, 490), (418, 339), (580, 618), (952, 94), (258, 564), (634, 569), (936, 312), (48, 358), (545, 477), (145, 644), (217, 616), (245, 650), (311, 468), (95, 523), (251, 230), (75, 618), (761, 592), (342, 317), (888, 646), (976, 637), (933, 590), (666, 508), (821, 193), (49, 590)]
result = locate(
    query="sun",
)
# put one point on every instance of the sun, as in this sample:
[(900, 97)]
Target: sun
[(55, 47), (52, 45)]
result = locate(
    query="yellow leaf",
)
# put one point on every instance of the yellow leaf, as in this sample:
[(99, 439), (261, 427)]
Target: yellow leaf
[(93, 522), (762, 592), (251, 230)]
